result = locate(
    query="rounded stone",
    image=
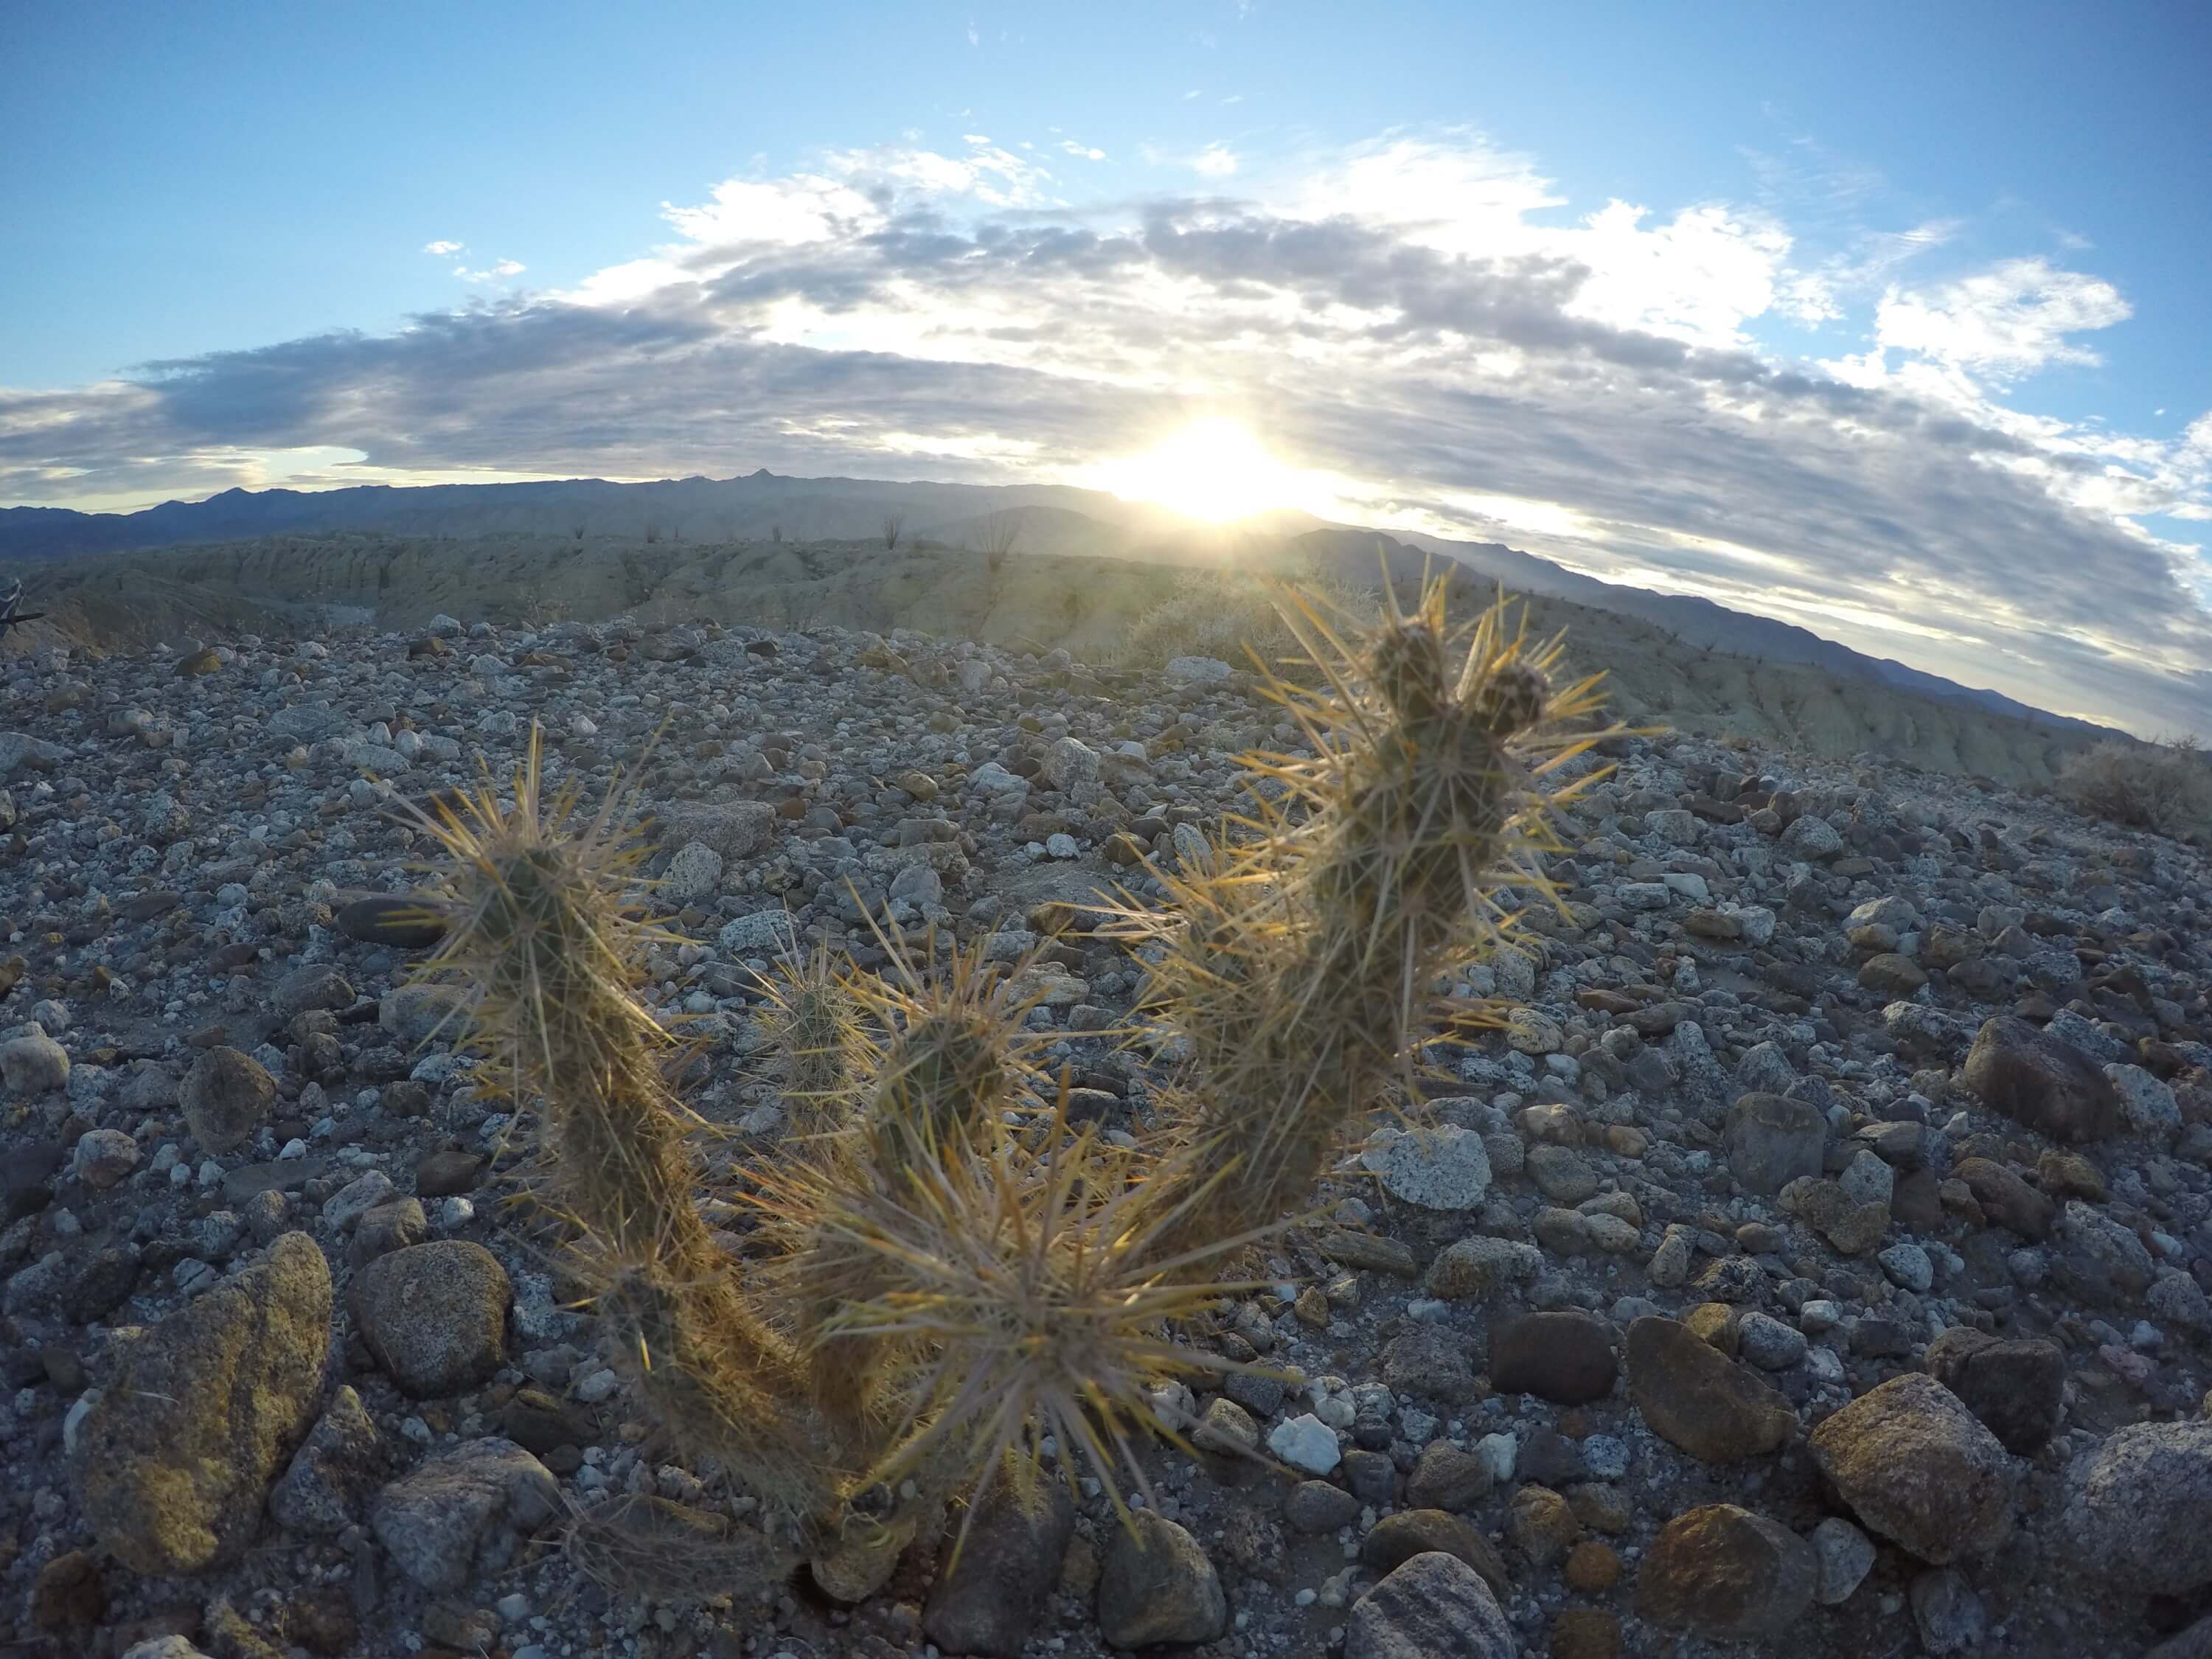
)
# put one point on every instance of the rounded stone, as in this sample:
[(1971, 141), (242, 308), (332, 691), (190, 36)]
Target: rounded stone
[(1565, 1358), (1157, 1585), (434, 1316), (225, 1097)]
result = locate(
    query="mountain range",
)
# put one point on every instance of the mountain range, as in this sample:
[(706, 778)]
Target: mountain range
[(1039, 518)]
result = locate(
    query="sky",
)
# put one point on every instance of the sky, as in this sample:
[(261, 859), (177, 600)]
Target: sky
[(1887, 320)]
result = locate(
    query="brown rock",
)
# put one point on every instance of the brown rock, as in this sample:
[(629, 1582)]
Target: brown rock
[(68, 1595), (1592, 1568), (1916, 1466), (1891, 975), (2068, 1175), (2042, 1081), (1585, 1633), (1723, 1571), (1541, 1524), (2006, 1199), (1397, 1538), (2015, 1387), (1565, 1357), (1699, 1398)]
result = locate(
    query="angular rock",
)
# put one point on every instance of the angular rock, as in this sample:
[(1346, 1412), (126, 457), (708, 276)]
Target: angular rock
[(2006, 1199), (1916, 1467), (1696, 1397), (1725, 1572), (321, 1491), (2041, 1081), (434, 1316), (465, 1513), (1397, 1538), (1008, 1565), (1158, 1586), (1481, 1266), (1771, 1140), (735, 830), (1947, 1613), (173, 1462), (1432, 1607), (2017, 1387)]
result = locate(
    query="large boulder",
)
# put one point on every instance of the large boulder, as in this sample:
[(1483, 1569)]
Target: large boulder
[(2137, 1517), (2042, 1081), (1771, 1140), (465, 1513), (174, 1461), (1434, 1606), (1724, 1572), (1915, 1465), (1696, 1397)]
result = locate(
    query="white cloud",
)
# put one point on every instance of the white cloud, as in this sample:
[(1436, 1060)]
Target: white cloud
[(497, 271), (1087, 152), (2004, 322), (443, 248), (1216, 160), (975, 35)]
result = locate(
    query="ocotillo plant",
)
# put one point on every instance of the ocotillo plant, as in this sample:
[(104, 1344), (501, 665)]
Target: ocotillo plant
[(953, 1278)]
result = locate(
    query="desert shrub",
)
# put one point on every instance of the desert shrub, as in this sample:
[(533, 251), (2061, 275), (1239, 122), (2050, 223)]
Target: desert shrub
[(1232, 616), (2167, 788), (944, 1273)]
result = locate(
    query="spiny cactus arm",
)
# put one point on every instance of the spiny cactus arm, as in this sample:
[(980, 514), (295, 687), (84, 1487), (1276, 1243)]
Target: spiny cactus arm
[(541, 926), (1421, 796), (1042, 1290)]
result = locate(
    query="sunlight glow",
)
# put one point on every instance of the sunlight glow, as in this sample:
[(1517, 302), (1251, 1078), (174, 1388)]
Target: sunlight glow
[(1214, 469)]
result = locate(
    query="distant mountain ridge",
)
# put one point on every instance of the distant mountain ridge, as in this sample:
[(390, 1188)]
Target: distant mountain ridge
[(1051, 519)]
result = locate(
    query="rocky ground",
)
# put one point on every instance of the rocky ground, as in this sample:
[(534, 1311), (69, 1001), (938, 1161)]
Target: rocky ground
[(1815, 1263)]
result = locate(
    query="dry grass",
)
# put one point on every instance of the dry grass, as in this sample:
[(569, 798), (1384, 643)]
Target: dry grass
[(1232, 616), (2166, 789)]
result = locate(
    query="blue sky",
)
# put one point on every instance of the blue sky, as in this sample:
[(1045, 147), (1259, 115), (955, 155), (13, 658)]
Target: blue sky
[(1984, 223)]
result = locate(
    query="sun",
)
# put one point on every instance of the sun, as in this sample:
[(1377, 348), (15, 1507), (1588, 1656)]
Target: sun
[(1214, 469)]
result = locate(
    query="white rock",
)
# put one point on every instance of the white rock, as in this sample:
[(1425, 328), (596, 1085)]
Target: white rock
[(1305, 1442), (1444, 1168)]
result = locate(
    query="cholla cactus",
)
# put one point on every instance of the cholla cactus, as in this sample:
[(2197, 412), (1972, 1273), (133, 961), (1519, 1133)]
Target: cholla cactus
[(951, 1275), (1294, 960)]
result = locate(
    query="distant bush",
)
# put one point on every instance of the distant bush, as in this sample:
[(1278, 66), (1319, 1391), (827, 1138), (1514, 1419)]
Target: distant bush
[(1220, 613), (2162, 787)]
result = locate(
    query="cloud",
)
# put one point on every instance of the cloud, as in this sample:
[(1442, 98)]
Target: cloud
[(443, 248), (497, 271), (2004, 322), (1086, 152), (1412, 324), (1216, 160)]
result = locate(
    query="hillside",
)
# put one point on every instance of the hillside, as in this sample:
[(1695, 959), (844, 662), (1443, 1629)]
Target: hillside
[(277, 586), (1043, 519)]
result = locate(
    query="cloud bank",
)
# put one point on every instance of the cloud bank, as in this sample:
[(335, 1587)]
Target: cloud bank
[(1408, 325)]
